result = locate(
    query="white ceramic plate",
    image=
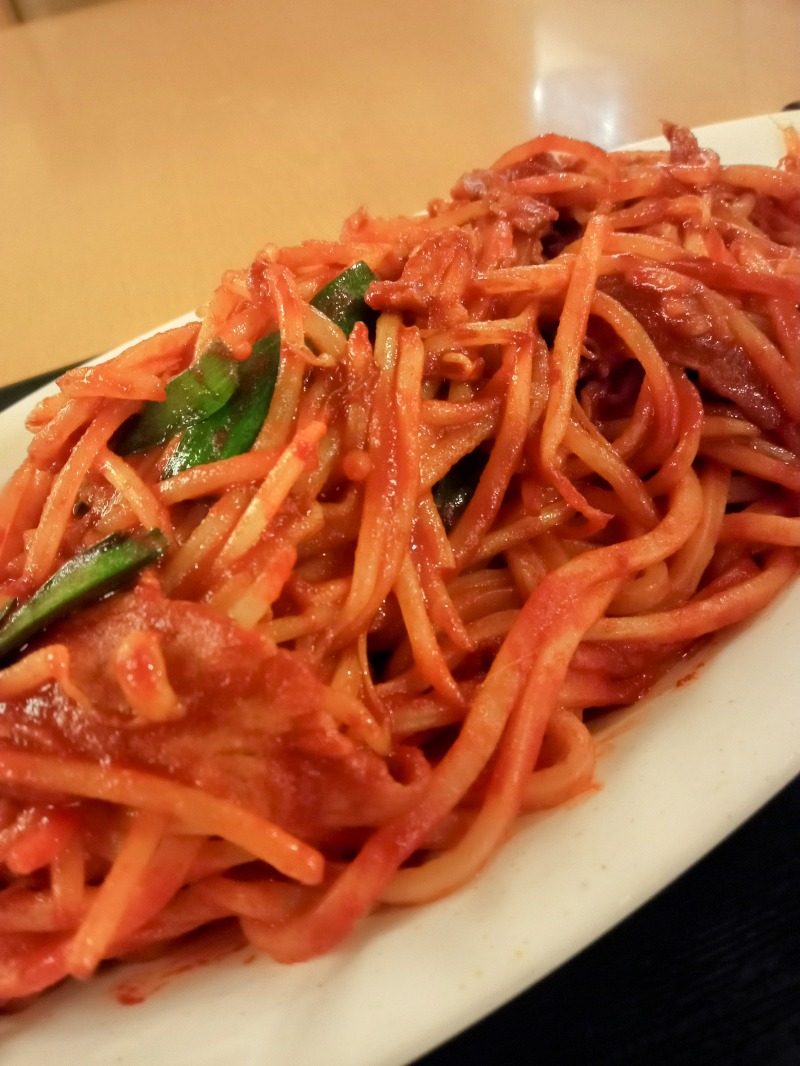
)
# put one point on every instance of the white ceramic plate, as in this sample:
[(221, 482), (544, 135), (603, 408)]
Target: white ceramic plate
[(678, 773)]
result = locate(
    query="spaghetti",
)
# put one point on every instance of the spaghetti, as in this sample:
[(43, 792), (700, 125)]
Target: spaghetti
[(303, 604)]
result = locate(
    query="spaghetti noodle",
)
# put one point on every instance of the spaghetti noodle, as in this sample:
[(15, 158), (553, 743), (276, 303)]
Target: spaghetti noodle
[(303, 604)]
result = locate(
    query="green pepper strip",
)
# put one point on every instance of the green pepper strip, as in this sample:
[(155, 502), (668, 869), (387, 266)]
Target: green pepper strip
[(342, 299), (198, 392), (453, 493), (233, 429), (89, 576), (6, 609)]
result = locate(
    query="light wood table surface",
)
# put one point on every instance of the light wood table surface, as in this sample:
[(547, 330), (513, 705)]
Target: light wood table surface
[(148, 145)]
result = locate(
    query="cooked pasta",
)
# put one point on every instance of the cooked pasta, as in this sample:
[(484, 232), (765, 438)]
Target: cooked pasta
[(306, 602)]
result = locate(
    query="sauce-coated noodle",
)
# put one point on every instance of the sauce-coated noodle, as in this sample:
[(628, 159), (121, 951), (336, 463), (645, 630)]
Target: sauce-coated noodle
[(374, 535)]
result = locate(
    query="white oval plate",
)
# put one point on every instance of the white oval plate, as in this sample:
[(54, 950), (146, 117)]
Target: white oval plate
[(678, 773)]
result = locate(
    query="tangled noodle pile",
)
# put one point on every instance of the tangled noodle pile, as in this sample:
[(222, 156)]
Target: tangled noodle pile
[(307, 601)]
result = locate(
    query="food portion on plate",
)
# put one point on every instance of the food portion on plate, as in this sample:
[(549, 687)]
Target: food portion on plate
[(304, 603)]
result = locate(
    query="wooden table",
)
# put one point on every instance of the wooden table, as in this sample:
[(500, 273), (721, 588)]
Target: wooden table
[(148, 145)]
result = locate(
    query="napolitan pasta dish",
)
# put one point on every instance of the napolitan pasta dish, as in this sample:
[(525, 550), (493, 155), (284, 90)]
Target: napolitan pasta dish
[(304, 603)]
